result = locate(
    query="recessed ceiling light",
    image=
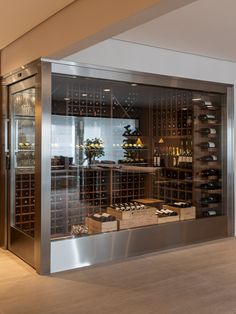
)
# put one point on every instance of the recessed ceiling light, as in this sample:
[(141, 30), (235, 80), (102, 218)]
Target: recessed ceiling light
[(134, 84), (66, 98), (196, 99), (184, 108), (107, 90), (84, 94)]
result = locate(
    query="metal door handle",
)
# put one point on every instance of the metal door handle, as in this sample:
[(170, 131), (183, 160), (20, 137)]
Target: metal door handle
[(8, 162), (6, 144)]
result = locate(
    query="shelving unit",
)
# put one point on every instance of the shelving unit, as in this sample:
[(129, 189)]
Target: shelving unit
[(199, 194), (76, 193), (172, 130), (25, 202)]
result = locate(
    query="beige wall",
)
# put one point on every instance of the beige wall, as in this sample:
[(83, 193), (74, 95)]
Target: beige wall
[(80, 25)]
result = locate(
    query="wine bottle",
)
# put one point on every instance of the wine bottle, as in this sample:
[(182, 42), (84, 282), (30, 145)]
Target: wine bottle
[(208, 158), (210, 172), (206, 117), (210, 186), (213, 198), (207, 131), (209, 213), (205, 104), (181, 204), (206, 145)]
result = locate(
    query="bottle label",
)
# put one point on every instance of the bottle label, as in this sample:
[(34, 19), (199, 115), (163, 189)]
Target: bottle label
[(212, 131), (211, 212), (214, 157), (211, 144), (210, 116)]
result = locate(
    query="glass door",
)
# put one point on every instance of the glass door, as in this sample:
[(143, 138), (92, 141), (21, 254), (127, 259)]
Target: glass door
[(22, 169)]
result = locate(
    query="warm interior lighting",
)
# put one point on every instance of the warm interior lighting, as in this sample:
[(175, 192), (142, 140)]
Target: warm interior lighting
[(107, 90)]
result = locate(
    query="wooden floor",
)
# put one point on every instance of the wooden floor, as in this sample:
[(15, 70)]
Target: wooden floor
[(198, 279)]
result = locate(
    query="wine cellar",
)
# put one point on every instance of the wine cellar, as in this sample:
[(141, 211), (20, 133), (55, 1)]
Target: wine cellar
[(127, 163), (162, 153), (178, 162)]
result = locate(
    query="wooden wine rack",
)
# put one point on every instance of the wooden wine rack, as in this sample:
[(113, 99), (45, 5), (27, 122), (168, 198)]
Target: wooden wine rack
[(199, 152), (25, 202), (173, 125)]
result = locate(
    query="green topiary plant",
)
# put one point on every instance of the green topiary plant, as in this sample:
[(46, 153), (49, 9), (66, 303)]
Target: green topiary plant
[(93, 148)]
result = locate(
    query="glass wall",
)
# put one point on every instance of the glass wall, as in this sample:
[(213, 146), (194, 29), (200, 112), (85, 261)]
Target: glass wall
[(126, 156)]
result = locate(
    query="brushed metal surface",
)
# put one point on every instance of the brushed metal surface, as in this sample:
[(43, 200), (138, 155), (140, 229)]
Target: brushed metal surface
[(76, 69), (43, 169), (4, 153), (80, 252), (230, 166), (22, 245)]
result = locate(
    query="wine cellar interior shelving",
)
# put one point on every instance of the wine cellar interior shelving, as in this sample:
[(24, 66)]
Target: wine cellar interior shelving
[(156, 149), (164, 146), (159, 145)]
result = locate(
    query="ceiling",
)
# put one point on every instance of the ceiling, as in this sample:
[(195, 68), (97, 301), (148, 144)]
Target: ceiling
[(205, 27), (19, 16)]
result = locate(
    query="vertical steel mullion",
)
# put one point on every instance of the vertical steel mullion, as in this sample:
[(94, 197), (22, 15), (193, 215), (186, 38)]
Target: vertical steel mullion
[(229, 150), (43, 169)]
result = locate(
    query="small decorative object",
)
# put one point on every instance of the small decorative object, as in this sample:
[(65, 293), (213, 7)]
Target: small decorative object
[(136, 132), (93, 148), (78, 230), (127, 130)]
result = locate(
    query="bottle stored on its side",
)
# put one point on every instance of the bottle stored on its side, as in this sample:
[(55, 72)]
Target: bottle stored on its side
[(207, 117), (211, 199), (207, 131), (209, 213), (205, 145), (210, 186), (209, 158), (210, 172), (206, 104)]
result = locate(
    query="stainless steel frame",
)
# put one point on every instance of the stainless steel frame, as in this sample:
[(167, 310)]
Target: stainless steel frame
[(34, 251), (18, 242), (78, 252)]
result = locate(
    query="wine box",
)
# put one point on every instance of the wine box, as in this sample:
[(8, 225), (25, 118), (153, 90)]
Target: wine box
[(135, 218), (186, 213), (136, 222), (95, 226), (166, 219), (154, 202), (131, 214)]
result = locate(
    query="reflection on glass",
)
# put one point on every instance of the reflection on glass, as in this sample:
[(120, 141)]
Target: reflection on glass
[(24, 160), (128, 156)]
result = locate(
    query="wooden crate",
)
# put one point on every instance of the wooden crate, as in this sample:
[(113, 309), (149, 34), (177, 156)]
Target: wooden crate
[(184, 213), (95, 226), (166, 219), (137, 222), (131, 214), (153, 202)]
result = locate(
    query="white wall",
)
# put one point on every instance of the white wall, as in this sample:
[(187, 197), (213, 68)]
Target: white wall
[(132, 56)]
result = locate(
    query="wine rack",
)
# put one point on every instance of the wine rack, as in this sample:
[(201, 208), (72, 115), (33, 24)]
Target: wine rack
[(75, 193), (78, 193), (25, 202), (173, 148), (207, 141), (127, 186)]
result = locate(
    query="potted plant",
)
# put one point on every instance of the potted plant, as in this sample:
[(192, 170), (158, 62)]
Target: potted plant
[(93, 148)]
